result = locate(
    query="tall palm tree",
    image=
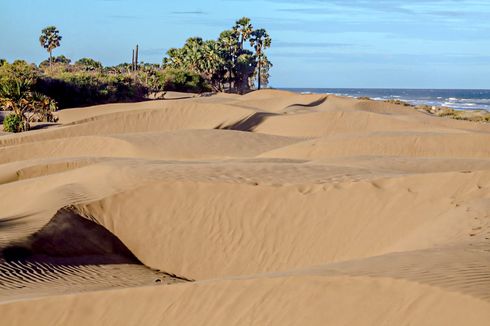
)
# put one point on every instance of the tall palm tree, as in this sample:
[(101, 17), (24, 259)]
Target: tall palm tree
[(244, 29), (213, 63), (228, 43), (50, 39), (175, 58), (265, 66), (260, 40), (193, 53)]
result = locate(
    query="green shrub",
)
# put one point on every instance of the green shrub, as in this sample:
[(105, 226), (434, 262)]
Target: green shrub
[(398, 102), (88, 83), (18, 70), (182, 81), (12, 123), (59, 60), (82, 88), (88, 64)]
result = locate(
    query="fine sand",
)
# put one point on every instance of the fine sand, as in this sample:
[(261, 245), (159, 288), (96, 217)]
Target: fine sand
[(271, 208)]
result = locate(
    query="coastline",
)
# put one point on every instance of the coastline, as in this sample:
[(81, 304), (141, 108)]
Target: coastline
[(474, 113), (459, 99)]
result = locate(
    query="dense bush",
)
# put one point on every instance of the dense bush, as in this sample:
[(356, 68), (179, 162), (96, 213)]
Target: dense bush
[(87, 83), (60, 60), (180, 80), (88, 64), (17, 94), (12, 123), (82, 88), (18, 70)]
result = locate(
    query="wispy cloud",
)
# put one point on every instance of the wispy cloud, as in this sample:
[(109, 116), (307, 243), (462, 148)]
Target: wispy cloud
[(302, 44), (413, 7), (193, 12)]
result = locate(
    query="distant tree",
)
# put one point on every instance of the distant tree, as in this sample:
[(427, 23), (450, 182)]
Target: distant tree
[(88, 64), (50, 39), (229, 52), (2, 62), (260, 40), (263, 73), (57, 60), (214, 62), (244, 62), (174, 58), (243, 29), (193, 53), (226, 60), (244, 69), (62, 59)]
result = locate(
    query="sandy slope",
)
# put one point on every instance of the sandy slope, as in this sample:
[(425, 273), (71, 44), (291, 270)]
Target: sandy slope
[(268, 209)]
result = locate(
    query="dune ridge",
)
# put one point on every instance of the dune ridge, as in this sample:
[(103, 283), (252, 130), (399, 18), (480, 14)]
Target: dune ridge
[(271, 208)]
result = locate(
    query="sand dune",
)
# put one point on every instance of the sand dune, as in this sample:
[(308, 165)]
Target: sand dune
[(271, 208), (182, 144)]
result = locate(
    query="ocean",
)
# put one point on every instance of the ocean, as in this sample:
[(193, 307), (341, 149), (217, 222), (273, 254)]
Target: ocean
[(460, 99)]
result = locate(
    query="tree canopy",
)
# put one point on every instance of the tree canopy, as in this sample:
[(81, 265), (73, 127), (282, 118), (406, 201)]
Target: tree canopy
[(61, 59), (89, 64), (50, 39), (230, 62)]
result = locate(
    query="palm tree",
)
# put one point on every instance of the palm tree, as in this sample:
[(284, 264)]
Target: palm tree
[(193, 53), (260, 40), (265, 66), (175, 58), (50, 39), (244, 29), (226, 60), (228, 43), (212, 63)]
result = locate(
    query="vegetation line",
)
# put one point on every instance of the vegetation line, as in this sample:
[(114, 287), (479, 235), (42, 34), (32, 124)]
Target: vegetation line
[(31, 93)]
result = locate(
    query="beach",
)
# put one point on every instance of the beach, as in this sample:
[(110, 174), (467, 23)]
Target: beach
[(270, 208)]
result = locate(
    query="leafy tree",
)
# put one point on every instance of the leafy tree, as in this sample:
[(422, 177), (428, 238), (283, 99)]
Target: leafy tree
[(260, 40), (50, 39), (88, 64), (61, 59)]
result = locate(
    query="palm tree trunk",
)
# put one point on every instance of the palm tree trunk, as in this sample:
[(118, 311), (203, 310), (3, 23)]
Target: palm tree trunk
[(259, 74), (50, 59), (229, 80)]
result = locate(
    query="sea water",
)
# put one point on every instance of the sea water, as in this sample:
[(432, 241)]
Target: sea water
[(460, 99)]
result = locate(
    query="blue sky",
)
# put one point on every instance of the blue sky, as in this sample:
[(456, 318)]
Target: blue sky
[(316, 43)]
